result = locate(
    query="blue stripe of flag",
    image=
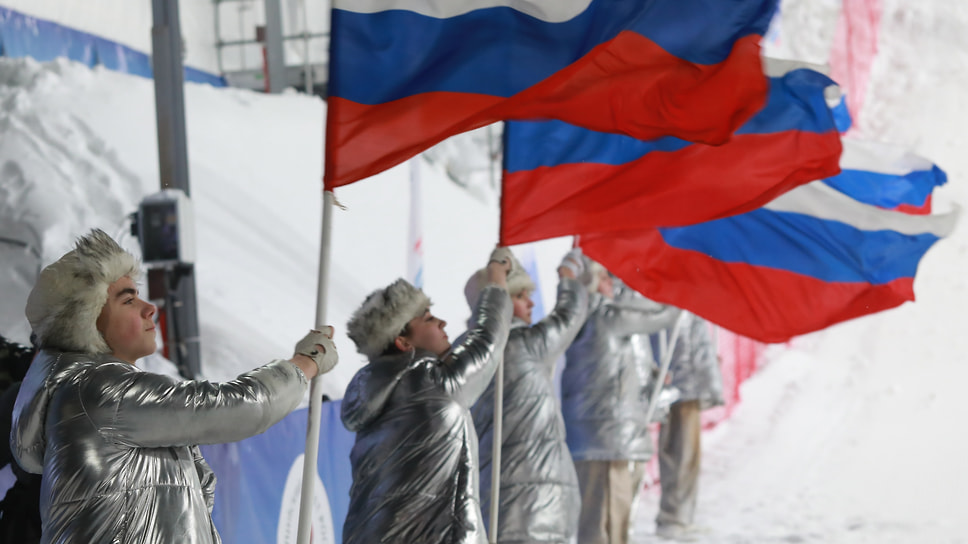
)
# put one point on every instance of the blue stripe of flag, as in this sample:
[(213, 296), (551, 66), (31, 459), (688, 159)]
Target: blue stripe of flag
[(889, 190), (827, 250), (397, 53)]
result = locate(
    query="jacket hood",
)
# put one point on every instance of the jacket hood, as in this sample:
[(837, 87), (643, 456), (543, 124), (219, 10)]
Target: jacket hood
[(28, 434), (371, 388)]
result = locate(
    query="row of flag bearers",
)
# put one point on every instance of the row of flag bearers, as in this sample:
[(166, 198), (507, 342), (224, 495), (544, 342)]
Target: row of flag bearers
[(696, 171), (424, 411)]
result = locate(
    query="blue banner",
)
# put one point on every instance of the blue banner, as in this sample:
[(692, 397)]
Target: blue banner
[(259, 481), (25, 36)]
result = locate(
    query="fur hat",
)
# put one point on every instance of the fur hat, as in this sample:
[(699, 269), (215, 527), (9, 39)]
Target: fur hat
[(385, 313), (67, 299), (518, 280)]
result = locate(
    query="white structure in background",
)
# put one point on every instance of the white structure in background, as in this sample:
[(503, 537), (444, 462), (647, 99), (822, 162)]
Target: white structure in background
[(219, 35), (241, 51)]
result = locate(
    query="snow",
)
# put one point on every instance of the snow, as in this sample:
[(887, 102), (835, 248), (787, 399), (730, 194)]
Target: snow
[(848, 435)]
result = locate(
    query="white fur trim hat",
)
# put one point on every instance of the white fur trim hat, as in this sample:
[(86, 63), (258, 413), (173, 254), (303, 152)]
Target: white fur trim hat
[(518, 280), (67, 299), (383, 315)]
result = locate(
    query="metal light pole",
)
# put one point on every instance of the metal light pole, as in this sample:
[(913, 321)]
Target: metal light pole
[(275, 56), (166, 63)]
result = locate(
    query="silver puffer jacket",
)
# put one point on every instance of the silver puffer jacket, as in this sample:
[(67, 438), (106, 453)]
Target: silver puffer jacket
[(116, 445), (606, 380), (539, 496), (415, 461), (694, 369)]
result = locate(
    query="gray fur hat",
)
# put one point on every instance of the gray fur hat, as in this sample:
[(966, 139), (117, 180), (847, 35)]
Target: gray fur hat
[(518, 280), (385, 313), (67, 299)]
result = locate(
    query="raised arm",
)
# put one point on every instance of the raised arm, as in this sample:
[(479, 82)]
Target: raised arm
[(472, 360), (631, 313), (551, 336)]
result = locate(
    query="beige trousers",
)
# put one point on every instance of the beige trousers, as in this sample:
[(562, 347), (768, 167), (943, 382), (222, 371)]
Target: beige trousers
[(608, 491), (679, 462)]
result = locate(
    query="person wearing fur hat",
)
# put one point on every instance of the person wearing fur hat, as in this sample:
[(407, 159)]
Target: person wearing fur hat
[(538, 495), (415, 461), (605, 388), (117, 446)]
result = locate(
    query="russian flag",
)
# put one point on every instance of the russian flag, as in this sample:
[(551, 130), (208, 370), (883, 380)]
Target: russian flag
[(887, 176), (810, 258), (560, 179), (406, 74)]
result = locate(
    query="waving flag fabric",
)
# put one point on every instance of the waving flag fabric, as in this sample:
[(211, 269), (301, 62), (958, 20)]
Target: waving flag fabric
[(808, 259), (560, 179), (405, 74), (887, 176)]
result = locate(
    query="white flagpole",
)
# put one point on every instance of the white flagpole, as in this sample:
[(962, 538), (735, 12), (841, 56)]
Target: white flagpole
[(315, 390), (665, 354), (498, 435), (496, 448), (415, 253)]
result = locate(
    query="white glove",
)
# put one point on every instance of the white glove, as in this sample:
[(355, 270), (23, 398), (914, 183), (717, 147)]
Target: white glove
[(573, 261), (325, 360), (502, 255)]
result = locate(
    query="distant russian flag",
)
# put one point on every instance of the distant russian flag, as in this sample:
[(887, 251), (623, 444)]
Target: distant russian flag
[(808, 259), (887, 176), (560, 179), (406, 74)]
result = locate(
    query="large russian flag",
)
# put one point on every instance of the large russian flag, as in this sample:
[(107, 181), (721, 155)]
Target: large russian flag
[(887, 176), (560, 179), (406, 74), (810, 258)]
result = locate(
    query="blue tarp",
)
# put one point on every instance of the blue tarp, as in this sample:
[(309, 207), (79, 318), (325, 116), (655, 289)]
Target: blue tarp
[(257, 496), (26, 36)]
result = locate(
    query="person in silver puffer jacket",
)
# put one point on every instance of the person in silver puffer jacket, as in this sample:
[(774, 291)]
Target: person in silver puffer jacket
[(695, 373), (539, 498), (116, 445), (604, 400), (415, 460)]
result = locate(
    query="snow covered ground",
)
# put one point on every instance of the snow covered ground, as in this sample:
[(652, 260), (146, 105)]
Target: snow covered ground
[(848, 436)]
